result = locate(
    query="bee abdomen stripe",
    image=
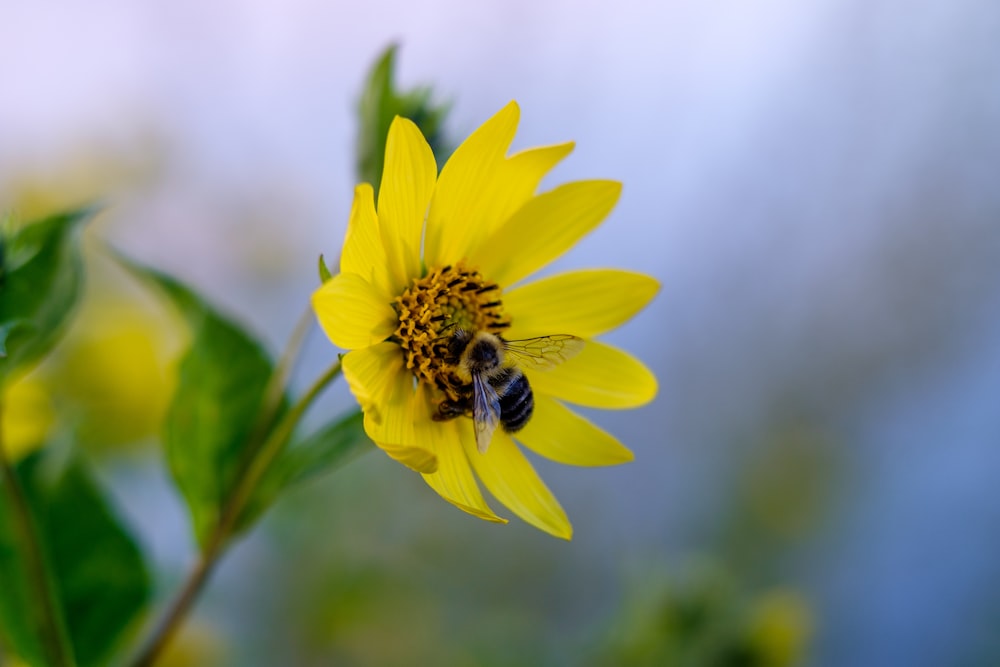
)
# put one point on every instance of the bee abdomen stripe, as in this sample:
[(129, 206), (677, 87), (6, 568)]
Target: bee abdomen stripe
[(516, 403), (515, 420), (513, 390)]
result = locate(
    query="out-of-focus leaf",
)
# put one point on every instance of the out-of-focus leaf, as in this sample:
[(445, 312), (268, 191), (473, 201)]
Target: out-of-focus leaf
[(97, 572), (326, 450), (221, 384), (22, 619), (40, 276), (380, 103)]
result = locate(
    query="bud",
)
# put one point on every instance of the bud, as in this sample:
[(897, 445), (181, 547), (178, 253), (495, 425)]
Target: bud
[(381, 102)]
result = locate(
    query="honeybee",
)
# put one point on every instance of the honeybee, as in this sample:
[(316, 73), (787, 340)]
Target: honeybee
[(498, 390)]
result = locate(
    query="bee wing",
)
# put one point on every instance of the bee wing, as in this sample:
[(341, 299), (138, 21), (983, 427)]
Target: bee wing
[(544, 352), (485, 411)]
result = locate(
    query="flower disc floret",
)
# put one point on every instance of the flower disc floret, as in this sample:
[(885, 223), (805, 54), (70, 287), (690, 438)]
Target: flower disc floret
[(449, 298)]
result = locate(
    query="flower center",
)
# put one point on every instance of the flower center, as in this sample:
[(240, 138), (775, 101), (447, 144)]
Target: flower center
[(445, 300)]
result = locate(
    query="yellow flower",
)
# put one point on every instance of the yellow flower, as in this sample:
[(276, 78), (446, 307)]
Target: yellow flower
[(482, 229), (112, 370), (781, 628), (28, 416)]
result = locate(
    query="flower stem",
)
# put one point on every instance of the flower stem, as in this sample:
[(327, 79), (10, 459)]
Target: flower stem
[(274, 392), (54, 641), (269, 451), (179, 608), (225, 529)]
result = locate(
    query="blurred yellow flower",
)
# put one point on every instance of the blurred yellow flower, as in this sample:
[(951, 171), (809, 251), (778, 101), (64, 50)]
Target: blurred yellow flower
[(481, 229), (781, 628), (28, 416), (112, 373)]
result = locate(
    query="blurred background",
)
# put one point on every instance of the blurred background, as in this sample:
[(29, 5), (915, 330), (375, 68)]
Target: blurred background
[(814, 184)]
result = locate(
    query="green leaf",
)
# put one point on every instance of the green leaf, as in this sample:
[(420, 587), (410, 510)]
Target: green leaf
[(381, 102), (98, 575), (214, 417), (40, 278), (326, 450), (329, 448), (22, 619), (324, 270)]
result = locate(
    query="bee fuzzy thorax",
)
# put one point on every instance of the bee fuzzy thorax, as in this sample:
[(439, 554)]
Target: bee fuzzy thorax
[(483, 355)]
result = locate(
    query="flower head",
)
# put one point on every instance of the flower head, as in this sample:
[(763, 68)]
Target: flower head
[(434, 268)]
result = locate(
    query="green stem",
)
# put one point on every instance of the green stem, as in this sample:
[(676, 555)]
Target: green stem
[(269, 451), (275, 390), (224, 530), (47, 623)]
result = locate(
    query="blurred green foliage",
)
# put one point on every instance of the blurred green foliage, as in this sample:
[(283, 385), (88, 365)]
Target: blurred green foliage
[(41, 276), (323, 451), (223, 410), (224, 406), (221, 384), (72, 578), (98, 574), (701, 618), (380, 102)]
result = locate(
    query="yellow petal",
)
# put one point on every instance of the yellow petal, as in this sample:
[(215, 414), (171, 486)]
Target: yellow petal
[(363, 253), (416, 459), (471, 190), (513, 481), (453, 480), (370, 372), (600, 376), (515, 183), (390, 425), (558, 433), (392, 419), (352, 312), (544, 228), (407, 185), (582, 303), (522, 172)]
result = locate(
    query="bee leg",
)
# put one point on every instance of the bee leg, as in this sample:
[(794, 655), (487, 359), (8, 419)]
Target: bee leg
[(448, 410)]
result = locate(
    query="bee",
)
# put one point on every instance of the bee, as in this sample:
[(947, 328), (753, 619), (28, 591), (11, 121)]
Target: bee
[(498, 392)]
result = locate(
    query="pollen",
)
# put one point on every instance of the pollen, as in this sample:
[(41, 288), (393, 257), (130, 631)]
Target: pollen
[(446, 299)]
